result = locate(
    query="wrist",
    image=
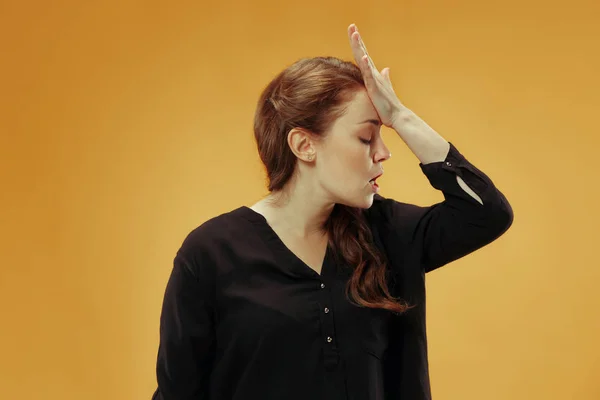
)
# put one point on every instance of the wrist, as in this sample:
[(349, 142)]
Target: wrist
[(402, 118)]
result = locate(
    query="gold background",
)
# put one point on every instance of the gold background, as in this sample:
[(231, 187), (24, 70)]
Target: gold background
[(126, 124)]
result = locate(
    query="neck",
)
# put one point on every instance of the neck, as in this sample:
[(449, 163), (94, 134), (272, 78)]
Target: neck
[(297, 211)]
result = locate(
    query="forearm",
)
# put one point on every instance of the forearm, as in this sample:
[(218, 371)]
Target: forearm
[(426, 144)]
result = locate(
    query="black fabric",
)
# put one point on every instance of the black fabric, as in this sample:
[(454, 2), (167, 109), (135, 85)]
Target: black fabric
[(244, 318)]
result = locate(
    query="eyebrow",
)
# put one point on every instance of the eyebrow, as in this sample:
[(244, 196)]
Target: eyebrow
[(375, 122)]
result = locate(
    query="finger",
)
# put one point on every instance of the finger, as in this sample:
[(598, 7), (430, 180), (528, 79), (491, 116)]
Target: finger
[(386, 74), (364, 49), (357, 50), (367, 72), (362, 44), (358, 46), (351, 29)]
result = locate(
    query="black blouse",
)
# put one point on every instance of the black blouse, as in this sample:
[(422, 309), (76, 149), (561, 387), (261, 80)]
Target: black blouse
[(244, 318)]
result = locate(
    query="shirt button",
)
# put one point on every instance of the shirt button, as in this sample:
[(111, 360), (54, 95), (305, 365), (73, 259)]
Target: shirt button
[(322, 286), (448, 163), (326, 310), (329, 339)]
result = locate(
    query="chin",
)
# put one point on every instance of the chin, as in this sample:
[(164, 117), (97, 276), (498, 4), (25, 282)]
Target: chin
[(368, 201), (364, 202)]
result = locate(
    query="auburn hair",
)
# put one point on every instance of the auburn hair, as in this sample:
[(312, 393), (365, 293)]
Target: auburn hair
[(311, 94)]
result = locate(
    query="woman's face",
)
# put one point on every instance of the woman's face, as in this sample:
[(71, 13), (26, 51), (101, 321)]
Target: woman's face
[(351, 154)]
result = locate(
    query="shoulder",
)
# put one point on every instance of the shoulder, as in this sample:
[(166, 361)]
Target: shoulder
[(396, 228), (215, 228), (387, 211), (201, 245)]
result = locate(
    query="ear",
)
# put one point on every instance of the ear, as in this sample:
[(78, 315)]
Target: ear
[(302, 144)]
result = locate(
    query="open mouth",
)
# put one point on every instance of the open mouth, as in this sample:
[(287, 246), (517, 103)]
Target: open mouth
[(373, 182)]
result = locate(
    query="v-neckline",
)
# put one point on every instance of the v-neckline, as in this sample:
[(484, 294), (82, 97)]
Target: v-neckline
[(269, 233)]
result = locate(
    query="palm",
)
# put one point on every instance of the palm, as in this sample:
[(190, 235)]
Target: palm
[(378, 84)]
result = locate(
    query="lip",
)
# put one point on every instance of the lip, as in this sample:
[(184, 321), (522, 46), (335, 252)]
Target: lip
[(376, 177)]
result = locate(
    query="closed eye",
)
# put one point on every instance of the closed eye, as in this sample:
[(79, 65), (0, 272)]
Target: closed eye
[(365, 141)]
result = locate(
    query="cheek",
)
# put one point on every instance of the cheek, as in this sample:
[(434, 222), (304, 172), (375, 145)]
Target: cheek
[(356, 158), (348, 165)]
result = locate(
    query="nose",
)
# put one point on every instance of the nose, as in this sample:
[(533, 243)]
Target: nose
[(382, 153)]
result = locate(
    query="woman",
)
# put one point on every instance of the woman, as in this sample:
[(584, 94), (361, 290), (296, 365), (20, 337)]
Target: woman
[(318, 290)]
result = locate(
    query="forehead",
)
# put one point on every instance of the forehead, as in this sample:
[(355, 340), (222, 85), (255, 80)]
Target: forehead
[(360, 108), (357, 110)]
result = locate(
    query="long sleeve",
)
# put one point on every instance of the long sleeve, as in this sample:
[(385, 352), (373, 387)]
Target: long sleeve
[(460, 224), (455, 227), (186, 348)]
